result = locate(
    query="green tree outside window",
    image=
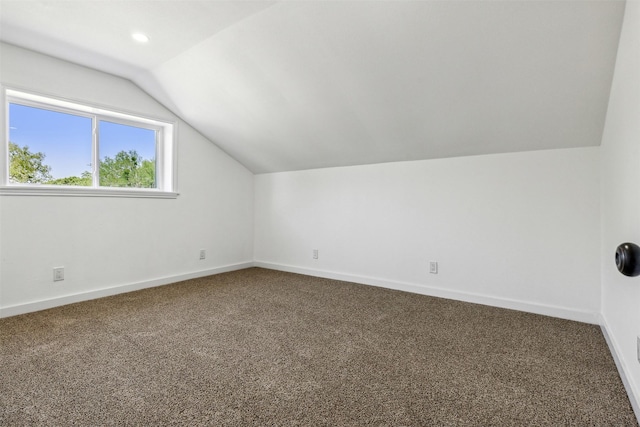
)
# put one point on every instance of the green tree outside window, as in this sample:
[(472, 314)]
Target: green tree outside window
[(125, 169)]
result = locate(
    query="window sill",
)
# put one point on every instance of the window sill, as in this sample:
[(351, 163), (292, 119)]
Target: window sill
[(59, 191)]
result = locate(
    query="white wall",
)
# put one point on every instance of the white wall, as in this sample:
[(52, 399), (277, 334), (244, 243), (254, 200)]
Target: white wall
[(514, 230), (621, 201), (108, 245)]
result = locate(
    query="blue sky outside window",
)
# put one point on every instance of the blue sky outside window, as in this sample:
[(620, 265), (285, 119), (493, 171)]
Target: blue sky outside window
[(66, 141)]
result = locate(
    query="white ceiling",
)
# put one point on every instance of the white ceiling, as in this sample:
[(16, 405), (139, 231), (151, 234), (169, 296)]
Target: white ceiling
[(294, 85)]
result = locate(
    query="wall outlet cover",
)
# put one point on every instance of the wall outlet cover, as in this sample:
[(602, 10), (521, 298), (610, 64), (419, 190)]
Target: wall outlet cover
[(433, 267)]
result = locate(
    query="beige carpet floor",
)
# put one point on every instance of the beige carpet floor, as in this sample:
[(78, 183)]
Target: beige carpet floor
[(260, 347)]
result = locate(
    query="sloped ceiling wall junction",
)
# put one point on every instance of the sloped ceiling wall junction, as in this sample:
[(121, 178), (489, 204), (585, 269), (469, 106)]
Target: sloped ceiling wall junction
[(299, 85)]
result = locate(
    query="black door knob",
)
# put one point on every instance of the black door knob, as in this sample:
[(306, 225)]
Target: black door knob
[(628, 259)]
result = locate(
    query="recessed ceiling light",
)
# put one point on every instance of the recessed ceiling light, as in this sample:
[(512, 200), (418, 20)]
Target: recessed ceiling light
[(139, 37)]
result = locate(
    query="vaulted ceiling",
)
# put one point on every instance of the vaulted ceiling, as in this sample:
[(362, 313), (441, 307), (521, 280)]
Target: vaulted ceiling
[(292, 85)]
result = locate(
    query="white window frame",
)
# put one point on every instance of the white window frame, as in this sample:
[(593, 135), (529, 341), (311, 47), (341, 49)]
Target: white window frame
[(166, 131)]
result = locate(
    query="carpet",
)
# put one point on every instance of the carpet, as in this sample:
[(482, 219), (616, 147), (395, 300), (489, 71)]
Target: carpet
[(262, 347)]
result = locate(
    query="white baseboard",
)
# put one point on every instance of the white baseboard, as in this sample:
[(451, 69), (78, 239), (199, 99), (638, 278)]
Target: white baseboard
[(546, 310), (85, 296), (632, 389)]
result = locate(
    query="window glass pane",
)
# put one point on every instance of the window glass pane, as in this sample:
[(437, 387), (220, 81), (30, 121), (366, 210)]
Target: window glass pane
[(48, 147), (127, 156)]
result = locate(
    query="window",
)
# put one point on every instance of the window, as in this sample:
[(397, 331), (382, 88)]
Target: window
[(59, 147)]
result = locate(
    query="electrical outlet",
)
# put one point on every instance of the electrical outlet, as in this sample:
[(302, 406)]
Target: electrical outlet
[(315, 254), (203, 254), (58, 274), (433, 267)]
